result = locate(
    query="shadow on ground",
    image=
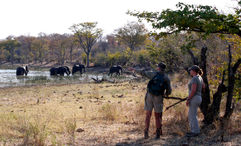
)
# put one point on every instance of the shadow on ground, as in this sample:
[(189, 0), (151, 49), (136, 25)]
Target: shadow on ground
[(202, 139)]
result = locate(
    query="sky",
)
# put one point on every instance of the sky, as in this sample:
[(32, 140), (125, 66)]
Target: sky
[(30, 17)]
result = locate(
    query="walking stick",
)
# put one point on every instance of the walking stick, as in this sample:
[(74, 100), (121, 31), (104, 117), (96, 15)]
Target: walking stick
[(176, 98), (181, 100)]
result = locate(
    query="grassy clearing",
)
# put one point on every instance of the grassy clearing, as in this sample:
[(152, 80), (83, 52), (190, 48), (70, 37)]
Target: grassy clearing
[(88, 114)]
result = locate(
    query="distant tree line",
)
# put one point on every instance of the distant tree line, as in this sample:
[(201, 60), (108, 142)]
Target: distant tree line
[(130, 45), (85, 45)]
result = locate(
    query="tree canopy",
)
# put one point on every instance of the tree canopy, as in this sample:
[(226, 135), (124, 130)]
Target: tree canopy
[(133, 35), (87, 35), (204, 19)]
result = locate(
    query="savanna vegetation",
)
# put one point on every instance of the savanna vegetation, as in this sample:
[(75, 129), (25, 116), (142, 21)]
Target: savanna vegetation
[(99, 114), (191, 34)]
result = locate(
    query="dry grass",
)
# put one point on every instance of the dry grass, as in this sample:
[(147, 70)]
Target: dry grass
[(106, 114)]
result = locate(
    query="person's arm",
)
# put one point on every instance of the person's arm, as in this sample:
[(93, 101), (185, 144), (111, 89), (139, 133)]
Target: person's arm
[(193, 91), (148, 74)]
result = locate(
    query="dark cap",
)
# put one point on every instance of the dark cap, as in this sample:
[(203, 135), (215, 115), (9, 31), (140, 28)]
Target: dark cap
[(194, 68), (162, 66)]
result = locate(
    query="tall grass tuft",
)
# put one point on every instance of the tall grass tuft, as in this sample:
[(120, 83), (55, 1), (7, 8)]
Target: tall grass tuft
[(70, 126), (108, 112), (176, 121), (35, 130)]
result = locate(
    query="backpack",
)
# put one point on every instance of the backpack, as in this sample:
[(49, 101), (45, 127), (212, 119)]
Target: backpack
[(156, 86)]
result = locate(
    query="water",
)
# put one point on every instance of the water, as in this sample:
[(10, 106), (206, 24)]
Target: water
[(8, 78)]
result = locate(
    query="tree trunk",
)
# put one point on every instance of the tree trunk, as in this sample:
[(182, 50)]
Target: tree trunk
[(71, 54), (229, 106), (194, 59), (206, 94), (231, 82), (87, 59), (214, 110)]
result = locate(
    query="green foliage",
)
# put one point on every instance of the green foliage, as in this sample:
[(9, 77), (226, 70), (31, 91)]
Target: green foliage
[(3, 54), (141, 57), (203, 19), (190, 18), (113, 58), (10, 45), (127, 57), (87, 35), (120, 58), (167, 50)]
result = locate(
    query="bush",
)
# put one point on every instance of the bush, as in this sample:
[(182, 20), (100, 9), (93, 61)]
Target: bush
[(100, 59), (141, 57)]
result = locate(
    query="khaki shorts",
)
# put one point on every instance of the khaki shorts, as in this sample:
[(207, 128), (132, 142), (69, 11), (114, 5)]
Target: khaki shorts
[(152, 101)]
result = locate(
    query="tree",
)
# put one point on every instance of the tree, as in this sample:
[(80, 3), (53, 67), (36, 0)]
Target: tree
[(25, 52), (167, 50), (87, 35), (10, 44), (40, 48), (133, 35), (64, 43), (205, 20), (72, 46)]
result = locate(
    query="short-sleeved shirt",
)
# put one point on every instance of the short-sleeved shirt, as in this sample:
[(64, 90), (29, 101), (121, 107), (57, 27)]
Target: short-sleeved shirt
[(151, 74), (152, 101), (196, 80)]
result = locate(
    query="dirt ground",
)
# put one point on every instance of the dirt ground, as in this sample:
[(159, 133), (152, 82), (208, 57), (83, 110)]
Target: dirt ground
[(97, 114)]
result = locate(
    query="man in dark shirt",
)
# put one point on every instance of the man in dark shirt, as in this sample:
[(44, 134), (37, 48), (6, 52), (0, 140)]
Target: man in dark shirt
[(156, 102)]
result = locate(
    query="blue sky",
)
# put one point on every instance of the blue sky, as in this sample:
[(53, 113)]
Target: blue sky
[(30, 17)]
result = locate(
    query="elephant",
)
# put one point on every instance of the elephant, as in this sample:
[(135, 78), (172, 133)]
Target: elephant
[(54, 71), (115, 69), (22, 71), (78, 67)]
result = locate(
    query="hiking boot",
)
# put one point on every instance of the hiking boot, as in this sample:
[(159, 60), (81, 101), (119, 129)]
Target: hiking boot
[(158, 133), (146, 136)]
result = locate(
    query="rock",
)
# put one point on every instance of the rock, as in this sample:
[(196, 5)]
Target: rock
[(80, 107), (120, 95), (80, 130)]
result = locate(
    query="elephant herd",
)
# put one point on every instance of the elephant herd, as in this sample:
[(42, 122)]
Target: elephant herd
[(60, 71)]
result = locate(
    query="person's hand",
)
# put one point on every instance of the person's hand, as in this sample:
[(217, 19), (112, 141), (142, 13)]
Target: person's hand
[(188, 102)]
